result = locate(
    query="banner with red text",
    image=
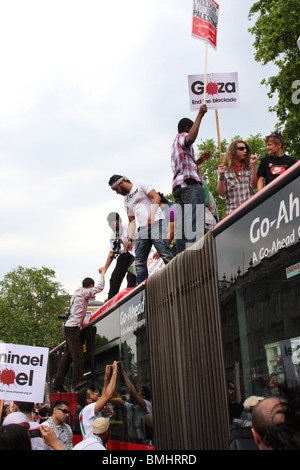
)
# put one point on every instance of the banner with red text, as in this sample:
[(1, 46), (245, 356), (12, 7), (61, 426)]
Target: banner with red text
[(205, 21), (23, 372)]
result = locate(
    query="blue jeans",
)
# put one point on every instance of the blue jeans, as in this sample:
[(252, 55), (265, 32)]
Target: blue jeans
[(154, 235), (190, 215)]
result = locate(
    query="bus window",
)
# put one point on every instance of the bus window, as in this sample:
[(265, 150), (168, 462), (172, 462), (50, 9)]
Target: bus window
[(259, 283)]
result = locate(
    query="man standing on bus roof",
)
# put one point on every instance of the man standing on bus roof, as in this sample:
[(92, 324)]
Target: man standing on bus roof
[(141, 203), (276, 163), (118, 242), (73, 352), (187, 185)]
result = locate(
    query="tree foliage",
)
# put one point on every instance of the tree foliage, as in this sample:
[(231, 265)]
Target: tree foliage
[(276, 31), (30, 302)]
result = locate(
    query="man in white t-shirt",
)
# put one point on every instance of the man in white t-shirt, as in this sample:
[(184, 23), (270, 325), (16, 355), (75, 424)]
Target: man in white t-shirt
[(141, 203), (92, 404), (118, 242)]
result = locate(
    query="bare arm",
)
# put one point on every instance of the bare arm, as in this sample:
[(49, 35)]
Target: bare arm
[(131, 231), (221, 183), (253, 161), (190, 139), (132, 390), (109, 390), (260, 183), (155, 205)]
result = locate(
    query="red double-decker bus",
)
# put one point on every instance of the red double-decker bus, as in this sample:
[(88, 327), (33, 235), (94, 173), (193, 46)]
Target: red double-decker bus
[(219, 323)]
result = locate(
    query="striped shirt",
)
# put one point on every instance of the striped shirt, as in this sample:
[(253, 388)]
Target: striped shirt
[(183, 161), (238, 190)]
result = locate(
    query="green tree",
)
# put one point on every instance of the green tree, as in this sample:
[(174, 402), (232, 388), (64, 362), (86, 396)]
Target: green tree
[(276, 31), (30, 302)]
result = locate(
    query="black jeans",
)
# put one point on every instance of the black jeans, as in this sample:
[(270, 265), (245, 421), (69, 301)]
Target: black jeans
[(73, 355), (124, 260)]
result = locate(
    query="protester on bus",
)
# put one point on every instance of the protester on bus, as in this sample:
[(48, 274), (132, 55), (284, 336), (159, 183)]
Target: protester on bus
[(118, 242), (99, 438), (276, 163), (92, 405), (141, 203), (73, 353), (237, 176), (187, 185), (57, 421)]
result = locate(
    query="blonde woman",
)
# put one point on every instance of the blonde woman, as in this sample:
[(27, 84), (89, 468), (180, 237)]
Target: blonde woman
[(237, 176)]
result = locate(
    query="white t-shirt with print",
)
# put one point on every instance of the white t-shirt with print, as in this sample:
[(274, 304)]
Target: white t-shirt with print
[(87, 417), (138, 204)]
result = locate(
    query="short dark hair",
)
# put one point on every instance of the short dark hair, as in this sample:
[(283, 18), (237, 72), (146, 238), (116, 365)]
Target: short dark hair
[(24, 406), (82, 397), (183, 124), (163, 199), (87, 282), (58, 403), (14, 437)]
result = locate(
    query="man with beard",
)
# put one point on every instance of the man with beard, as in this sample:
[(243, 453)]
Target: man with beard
[(141, 203)]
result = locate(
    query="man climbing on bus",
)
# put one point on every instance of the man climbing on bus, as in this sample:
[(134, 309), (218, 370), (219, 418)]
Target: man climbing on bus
[(72, 330)]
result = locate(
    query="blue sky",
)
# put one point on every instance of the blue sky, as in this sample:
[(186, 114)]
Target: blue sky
[(92, 88)]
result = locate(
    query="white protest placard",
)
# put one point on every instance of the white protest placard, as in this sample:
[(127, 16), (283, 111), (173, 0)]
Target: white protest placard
[(205, 21), (23, 372), (222, 91)]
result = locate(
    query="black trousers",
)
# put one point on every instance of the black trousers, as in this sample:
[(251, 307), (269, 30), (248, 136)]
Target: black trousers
[(124, 260)]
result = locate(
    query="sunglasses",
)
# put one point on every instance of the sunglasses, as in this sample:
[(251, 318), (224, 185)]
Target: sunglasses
[(66, 412), (241, 148)]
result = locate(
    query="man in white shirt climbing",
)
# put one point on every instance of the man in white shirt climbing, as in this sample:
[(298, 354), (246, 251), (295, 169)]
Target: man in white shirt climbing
[(73, 352)]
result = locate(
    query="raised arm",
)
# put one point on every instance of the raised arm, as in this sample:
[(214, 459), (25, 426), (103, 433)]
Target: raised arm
[(108, 389)]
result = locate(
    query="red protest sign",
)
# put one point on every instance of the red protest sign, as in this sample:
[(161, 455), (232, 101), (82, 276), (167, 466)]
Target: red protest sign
[(205, 20)]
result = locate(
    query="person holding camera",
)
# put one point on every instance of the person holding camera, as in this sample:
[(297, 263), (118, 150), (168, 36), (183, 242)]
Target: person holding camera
[(73, 353), (118, 242)]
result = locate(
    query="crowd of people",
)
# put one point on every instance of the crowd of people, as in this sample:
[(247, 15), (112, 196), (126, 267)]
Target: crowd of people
[(266, 423), (26, 426)]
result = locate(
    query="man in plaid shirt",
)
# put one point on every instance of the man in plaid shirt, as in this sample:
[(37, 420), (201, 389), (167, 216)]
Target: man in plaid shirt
[(187, 183)]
